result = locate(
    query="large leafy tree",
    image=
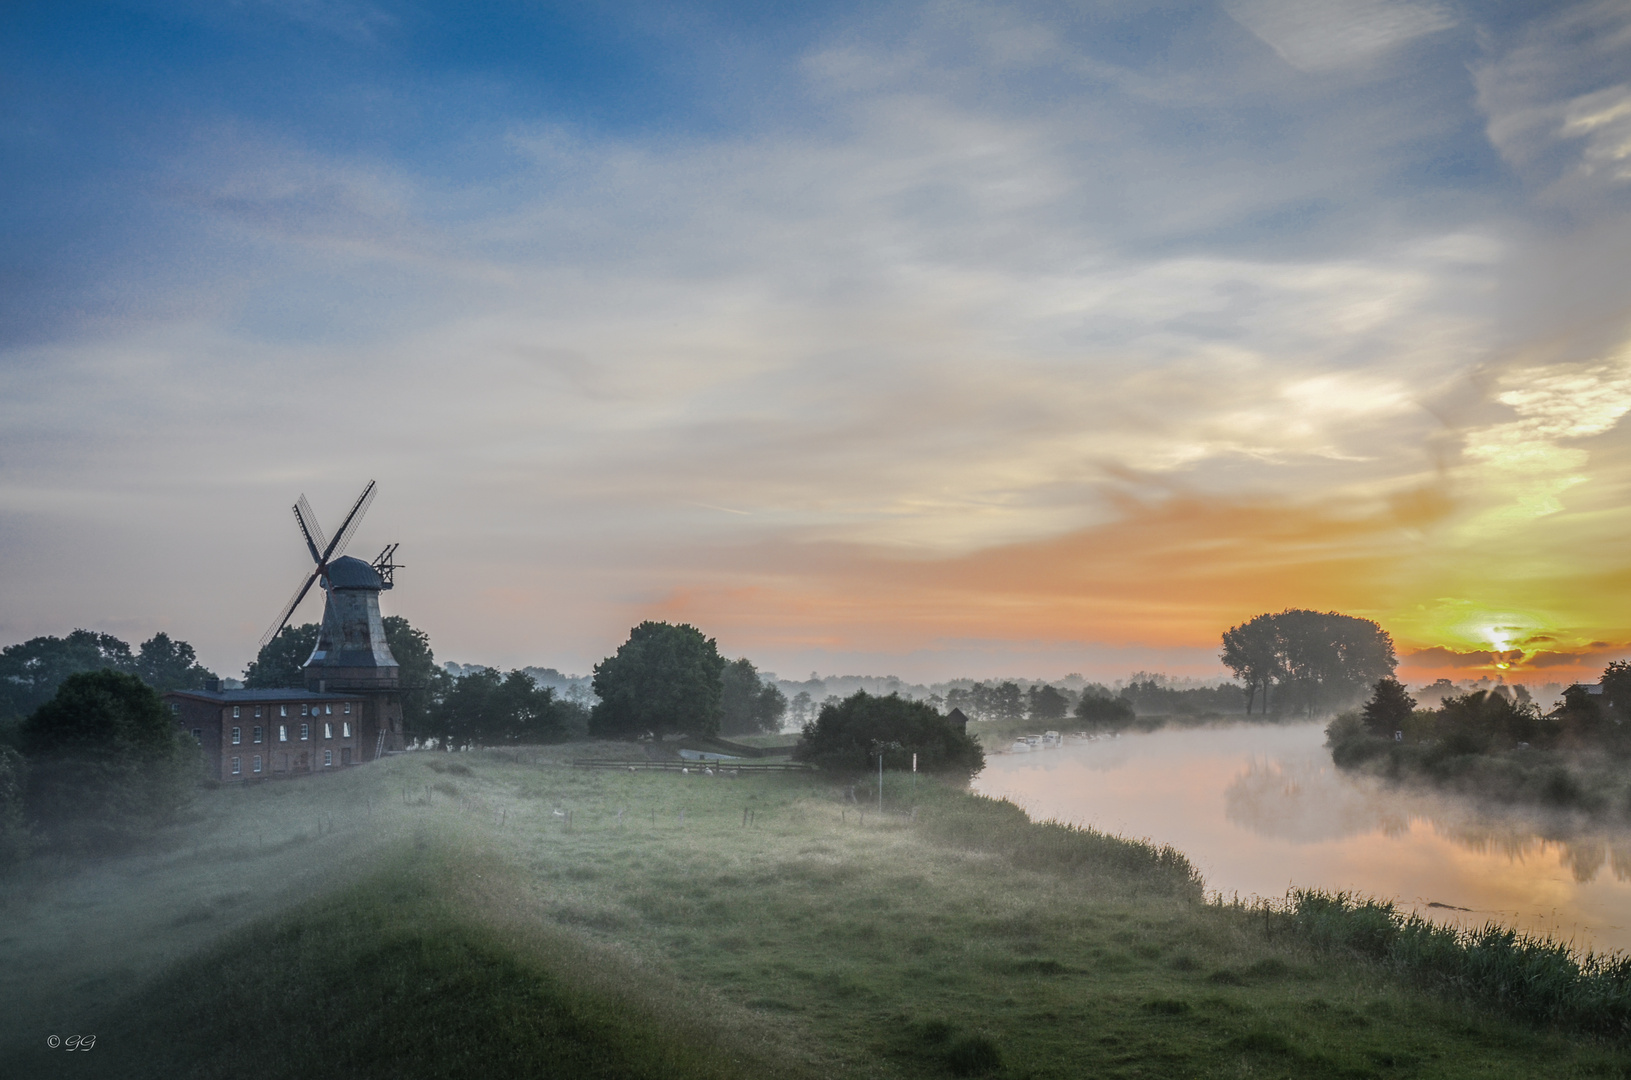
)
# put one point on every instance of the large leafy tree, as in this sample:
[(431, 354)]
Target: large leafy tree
[(31, 672), (1313, 660), (423, 683), (106, 762), (1253, 652), (282, 660), (483, 706), (165, 664), (848, 736), (1045, 703), (665, 679), (1100, 711), (747, 704)]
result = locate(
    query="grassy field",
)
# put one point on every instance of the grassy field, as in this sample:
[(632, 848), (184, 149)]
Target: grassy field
[(504, 915)]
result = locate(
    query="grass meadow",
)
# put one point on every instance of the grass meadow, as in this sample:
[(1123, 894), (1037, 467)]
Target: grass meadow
[(502, 914)]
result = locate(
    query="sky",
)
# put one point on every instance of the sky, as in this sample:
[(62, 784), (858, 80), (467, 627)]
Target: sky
[(932, 339)]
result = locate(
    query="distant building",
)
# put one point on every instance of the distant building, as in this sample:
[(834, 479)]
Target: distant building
[(256, 734), (957, 720)]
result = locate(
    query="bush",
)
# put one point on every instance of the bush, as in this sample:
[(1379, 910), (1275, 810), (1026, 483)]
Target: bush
[(106, 762), (848, 736)]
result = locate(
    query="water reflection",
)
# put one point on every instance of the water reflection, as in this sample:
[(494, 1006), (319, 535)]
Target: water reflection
[(1305, 801), (1260, 809)]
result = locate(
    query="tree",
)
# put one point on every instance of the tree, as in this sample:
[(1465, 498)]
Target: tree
[(1389, 709), (31, 672), (1312, 660), (802, 710), (485, 707), (1046, 704), (422, 681), (281, 661), (1252, 652), (665, 679), (848, 735), (748, 705), (106, 762), (1477, 722), (1113, 713), (167, 664)]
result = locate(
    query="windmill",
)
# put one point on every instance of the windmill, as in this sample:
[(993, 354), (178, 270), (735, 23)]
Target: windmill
[(351, 652), (312, 532)]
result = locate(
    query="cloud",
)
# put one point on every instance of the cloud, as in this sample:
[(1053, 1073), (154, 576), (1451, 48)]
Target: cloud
[(994, 331), (1319, 35), (1558, 107)]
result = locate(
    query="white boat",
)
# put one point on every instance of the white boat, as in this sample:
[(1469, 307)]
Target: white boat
[(1020, 747)]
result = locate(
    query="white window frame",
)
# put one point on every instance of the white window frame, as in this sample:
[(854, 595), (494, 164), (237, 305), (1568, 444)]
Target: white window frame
[(237, 766), (328, 758), (283, 710), (305, 732), (257, 712), (328, 730), (283, 733), (345, 729), (348, 708), (237, 736), (235, 712), (256, 732), (328, 710), (257, 763)]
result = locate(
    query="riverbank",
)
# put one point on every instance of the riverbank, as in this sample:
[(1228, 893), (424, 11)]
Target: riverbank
[(405, 920)]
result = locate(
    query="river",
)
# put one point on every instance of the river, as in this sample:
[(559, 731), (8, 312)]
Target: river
[(1259, 808)]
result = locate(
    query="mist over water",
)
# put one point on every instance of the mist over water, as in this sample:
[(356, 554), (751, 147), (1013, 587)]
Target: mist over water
[(1259, 808)]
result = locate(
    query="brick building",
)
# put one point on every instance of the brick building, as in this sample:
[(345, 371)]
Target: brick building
[(250, 734)]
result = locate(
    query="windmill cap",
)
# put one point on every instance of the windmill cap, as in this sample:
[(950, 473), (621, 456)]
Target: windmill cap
[(348, 573)]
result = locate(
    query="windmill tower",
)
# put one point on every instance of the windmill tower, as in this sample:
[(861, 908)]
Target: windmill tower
[(352, 655)]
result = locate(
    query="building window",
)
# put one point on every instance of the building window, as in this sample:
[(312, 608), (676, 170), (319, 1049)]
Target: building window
[(175, 706), (257, 763), (235, 712), (237, 766), (348, 708), (198, 733), (305, 731), (345, 730), (257, 733), (328, 710), (283, 710), (328, 757), (328, 731), (283, 733), (257, 712), (237, 735)]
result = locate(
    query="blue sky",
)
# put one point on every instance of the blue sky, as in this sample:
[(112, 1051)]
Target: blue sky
[(796, 321)]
